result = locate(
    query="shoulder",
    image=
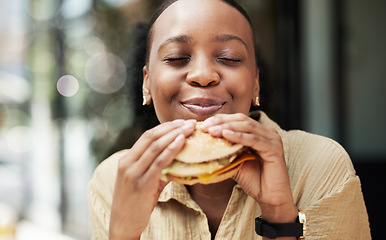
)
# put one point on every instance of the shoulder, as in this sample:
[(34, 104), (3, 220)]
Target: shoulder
[(312, 150), (315, 150), (103, 179), (318, 166), (100, 194), (108, 167)]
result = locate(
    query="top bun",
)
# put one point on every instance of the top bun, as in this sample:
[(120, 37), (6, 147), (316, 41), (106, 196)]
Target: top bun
[(202, 147)]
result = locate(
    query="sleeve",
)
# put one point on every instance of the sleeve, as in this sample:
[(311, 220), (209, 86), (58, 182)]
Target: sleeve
[(339, 215), (326, 188), (100, 195)]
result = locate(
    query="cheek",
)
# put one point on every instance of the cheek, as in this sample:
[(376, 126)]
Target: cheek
[(241, 88), (163, 85), (164, 88), (243, 99), (242, 84)]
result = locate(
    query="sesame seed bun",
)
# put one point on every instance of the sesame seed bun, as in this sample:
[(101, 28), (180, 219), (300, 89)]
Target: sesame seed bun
[(206, 159), (202, 147)]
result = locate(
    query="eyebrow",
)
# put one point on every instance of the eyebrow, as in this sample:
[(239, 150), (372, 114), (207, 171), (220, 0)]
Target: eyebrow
[(188, 39), (228, 37), (180, 39)]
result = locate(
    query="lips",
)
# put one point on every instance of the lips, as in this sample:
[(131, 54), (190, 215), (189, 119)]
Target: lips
[(203, 106)]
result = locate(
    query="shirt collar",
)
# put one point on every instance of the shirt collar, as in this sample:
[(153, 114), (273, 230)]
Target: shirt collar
[(179, 193)]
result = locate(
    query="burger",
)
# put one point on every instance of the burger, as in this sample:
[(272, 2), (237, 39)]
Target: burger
[(206, 159)]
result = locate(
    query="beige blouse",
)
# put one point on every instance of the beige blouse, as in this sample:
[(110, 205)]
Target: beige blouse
[(323, 184)]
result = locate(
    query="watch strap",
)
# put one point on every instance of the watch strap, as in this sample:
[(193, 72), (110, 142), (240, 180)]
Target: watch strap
[(274, 230)]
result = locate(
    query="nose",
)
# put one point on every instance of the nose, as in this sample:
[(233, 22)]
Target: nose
[(202, 73)]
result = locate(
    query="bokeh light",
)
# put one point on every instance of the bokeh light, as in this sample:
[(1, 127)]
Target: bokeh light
[(117, 3), (105, 73), (94, 46), (75, 8), (67, 85), (43, 9), (20, 139), (13, 88)]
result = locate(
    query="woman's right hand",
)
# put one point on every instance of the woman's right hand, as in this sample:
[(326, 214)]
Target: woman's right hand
[(138, 183)]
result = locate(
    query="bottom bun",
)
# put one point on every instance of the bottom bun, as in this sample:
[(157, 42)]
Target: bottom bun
[(215, 179)]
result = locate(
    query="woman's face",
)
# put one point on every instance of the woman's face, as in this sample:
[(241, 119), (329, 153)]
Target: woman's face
[(201, 61)]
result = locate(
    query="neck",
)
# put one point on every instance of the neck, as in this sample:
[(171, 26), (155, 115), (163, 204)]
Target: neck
[(215, 191), (213, 200)]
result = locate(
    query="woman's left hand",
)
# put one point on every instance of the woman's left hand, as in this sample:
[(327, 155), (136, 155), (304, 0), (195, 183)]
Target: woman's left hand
[(266, 178)]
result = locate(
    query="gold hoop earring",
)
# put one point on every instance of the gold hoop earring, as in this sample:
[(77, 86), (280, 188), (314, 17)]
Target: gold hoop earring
[(144, 101), (257, 101)]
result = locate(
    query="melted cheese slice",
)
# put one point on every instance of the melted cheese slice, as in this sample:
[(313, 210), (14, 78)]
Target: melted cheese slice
[(242, 158)]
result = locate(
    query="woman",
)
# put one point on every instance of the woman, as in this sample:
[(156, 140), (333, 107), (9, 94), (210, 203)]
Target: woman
[(201, 66)]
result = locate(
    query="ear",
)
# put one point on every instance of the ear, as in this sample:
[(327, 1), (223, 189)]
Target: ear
[(146, 86)]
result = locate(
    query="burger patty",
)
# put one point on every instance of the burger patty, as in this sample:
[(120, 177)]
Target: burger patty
[(178, 168)]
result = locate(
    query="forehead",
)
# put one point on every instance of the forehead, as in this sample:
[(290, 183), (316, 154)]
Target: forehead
[(208, 16)]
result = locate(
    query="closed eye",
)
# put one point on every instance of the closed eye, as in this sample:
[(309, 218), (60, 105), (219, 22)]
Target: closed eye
[(177, 61), (172, 59), (229, 60)]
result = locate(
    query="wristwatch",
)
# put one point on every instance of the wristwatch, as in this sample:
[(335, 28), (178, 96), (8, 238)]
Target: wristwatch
[(274, 230)]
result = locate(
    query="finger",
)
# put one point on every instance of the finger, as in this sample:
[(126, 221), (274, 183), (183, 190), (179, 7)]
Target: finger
[(153, 134), (149, 137), (176, 136), (237, 123), (220, 119), (246, 139), (250, 170), (214, 125), (165, 158), (260, 143), (239, 128)]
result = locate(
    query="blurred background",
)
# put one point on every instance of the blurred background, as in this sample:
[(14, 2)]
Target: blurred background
[(66, 97)]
